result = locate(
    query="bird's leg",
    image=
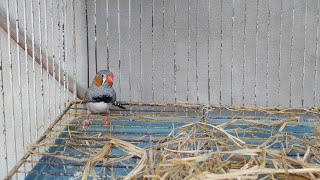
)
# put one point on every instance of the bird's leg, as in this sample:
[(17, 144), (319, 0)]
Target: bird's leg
[(87, 121), (106, 120)]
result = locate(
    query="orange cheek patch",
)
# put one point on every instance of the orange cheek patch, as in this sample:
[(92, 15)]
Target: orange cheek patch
[(98, 80)]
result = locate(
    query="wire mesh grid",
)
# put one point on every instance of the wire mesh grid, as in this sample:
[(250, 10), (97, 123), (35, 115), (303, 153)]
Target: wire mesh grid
[(169, 141)]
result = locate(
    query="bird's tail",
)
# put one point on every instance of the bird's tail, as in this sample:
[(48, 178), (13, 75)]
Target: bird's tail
[(118, 104)]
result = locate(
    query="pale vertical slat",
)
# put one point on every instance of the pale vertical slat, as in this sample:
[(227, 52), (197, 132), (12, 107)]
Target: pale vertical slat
[(18, 59), (114, 44), (81, 45), (226, 60), (135, 49), (124, 49), (317, 75), (40, 77), (238, 53), (285, 52), (13, 99), (158, 47), (3, 136), (59, 52), (146, 50), (46, 36), (298, 52), (74, 51), (310, 51), (262, 53), (102, 52), (53, 15), (202, 51), (250, 52), (169, 51), (192, 28), (8, 93), (35, 101), (26, 75), (274, 54), (91, 39), (181, 50)]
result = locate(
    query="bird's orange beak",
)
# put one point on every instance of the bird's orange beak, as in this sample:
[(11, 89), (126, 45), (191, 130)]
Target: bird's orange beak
[(110, 78)]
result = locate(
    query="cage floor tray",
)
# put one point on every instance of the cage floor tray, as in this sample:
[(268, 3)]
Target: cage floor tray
[(178, 141)]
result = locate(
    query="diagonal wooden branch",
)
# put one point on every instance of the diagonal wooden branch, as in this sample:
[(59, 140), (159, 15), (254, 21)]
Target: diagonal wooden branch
[(37, 54)]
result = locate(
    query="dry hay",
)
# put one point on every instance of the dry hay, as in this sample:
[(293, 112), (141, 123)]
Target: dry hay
[(200, 151)]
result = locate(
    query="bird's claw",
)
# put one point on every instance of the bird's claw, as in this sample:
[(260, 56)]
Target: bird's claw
[(106, 121), (85, 123)]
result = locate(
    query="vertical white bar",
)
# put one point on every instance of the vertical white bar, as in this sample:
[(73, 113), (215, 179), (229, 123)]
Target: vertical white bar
[(47, 60), (11, 85), (146, 50), (181, 50), (298, 46), (250, 52), (274, 54), (95, 36), (262, 53), (238, 56), (53, 60), (74, 45), (130, 58), (59, 51), (4, 128), (65, 54), (317, 74), (34, 70), (285, 51), (232, 54), (107, 27), (124, 48), (41, 68), (158, 50), (188, 71), (119, 52), (134, 48), (27, 69), (175, 51), (19, 62), (202, 51), (310, 51), (152, 51), (113, 30), (141, 88), (192, 35), (215, 52), (226, 60)]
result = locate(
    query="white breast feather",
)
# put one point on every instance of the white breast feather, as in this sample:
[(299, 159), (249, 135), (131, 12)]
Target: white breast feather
[(98, 107)]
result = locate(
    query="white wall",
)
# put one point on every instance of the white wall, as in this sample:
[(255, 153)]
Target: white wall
[(220, 52)]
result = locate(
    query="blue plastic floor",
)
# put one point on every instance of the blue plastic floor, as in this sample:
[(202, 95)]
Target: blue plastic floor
[(145, 131)]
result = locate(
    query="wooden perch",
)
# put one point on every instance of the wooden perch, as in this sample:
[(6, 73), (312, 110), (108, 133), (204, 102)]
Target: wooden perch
[(38, 54)]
